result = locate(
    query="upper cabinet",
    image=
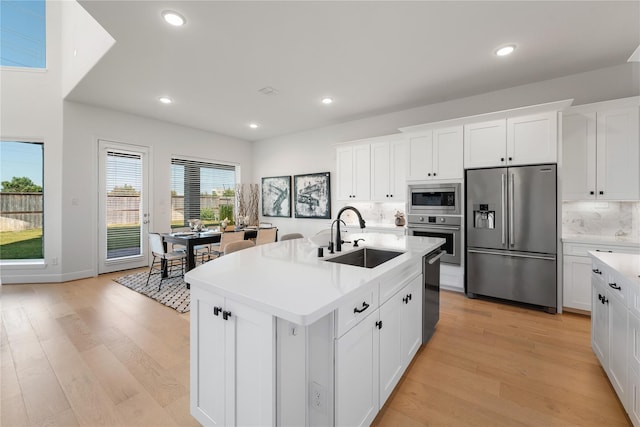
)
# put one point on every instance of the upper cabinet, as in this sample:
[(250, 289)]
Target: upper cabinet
[(389, 165), (353, 172), (512, 141), (436, 154), (601, 151)]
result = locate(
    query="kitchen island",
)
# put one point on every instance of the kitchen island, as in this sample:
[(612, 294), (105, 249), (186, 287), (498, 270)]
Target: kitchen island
[(280, 336), (615, 324)]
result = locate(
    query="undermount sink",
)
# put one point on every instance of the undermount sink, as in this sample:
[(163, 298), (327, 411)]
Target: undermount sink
[(365, 257)]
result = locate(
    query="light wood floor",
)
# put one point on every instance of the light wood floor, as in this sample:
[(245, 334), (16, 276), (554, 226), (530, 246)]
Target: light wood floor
[(92, 352)]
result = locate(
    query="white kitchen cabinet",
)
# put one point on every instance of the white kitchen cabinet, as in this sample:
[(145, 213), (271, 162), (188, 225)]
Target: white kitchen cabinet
[(513, 141), (372, 356), (234, 346), (353, 170), (601, 153), (576, 270), (599, 319), (356, 374), (634, 397), (389, 167), (618, 346), (436, 154), (633, 346)]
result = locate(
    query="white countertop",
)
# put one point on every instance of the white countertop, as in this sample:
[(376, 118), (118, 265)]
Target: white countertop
[(288, 280), (601, 240), (626, 264)]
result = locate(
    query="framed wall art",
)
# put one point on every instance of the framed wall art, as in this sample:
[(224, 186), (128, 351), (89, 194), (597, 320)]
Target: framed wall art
[(312, 195), (276, 196)]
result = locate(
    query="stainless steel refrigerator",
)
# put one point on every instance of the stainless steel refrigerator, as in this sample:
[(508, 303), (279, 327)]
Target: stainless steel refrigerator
[(511, 234)]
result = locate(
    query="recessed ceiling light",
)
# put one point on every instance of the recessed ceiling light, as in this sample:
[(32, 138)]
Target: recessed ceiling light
[(165, 100), (327, 100), (173, 18), (254, 125), (505, 50)]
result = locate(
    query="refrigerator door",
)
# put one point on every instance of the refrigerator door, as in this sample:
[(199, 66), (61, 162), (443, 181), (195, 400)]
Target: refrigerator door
[(486, 192), (513, 276), (532, 209)]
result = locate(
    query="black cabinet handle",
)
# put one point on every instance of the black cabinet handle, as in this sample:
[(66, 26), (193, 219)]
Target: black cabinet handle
[(502, 159), (216, 310), (379, 324), (510, 158), (360, 310), (592, 192), (600, 297), (226, 315), (429, 174), (405, 300), (601, 192), (595, 270), (598, 250), (615, 286), (434, 174), (391, 195)]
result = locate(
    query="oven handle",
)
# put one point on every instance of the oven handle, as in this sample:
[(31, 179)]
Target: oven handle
[(436, 228)]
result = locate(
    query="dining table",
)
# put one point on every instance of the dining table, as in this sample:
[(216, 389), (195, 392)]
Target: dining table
[(191, 239)]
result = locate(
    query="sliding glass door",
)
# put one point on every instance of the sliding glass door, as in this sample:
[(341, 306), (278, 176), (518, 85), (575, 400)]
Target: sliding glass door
[(123, 210)]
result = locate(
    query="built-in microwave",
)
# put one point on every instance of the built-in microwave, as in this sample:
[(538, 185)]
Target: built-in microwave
[(435, 199)]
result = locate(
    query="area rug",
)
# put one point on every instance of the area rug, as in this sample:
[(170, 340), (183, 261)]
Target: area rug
[(173, 293)]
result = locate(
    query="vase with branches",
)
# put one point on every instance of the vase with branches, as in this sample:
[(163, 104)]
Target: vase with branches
[(248, 197)]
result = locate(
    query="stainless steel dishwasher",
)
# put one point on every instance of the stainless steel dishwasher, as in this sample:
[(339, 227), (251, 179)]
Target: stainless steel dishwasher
[(431, 294)]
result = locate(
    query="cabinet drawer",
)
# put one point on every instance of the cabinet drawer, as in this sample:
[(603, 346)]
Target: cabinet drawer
[(617, 285), (357, 307), (393, 283), (582, 249)]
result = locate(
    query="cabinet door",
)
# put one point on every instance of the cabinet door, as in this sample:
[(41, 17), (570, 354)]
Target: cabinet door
[(421, 156), (576, 282), (485, 144), (448, 153), (356, 374), (579, 156), (599, 320), (399, 169), (633, 342), (411, 320), (391, 351), (207, 361), (361, 172), (618, 155), (250, 360), (633, 407), (344, 157), (618, 346), (380, 171), (532, 139)]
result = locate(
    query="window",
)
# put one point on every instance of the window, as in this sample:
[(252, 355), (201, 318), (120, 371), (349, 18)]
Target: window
[(23, 33), (21, 200), (201, 190)]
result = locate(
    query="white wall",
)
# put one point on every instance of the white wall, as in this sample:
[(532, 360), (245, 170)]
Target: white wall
[(314, 151), (31, 110)]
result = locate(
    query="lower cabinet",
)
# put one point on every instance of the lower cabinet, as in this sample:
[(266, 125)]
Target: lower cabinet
[(633, 408), (372, 356), (231, 363)]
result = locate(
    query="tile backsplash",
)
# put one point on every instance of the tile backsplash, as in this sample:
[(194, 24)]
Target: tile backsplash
[(373, 213), (608, 219)]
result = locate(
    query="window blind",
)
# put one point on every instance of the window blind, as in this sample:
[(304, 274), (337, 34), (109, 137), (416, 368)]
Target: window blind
[(198, 189), (124, 204)]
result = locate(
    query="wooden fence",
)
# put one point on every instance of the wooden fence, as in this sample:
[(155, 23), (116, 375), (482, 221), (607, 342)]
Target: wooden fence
[(20, 211)]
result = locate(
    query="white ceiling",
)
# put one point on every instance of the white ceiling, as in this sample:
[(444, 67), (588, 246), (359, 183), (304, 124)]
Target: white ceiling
[(371, 57)]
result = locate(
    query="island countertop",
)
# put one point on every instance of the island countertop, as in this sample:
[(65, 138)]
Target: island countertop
[(288, 280)]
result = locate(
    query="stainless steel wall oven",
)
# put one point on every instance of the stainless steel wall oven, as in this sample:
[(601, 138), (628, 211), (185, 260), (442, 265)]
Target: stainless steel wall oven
[(435, 199), (446, 227)]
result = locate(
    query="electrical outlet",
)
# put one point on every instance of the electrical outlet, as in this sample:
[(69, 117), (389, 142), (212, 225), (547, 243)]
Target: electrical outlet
[(54, 261), (318, 397)]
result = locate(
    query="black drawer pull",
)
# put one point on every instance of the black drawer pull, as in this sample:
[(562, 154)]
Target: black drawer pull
[(379, 324), (598, 250), (226, 315), (595, 270), (615, 286), (360, 310), (216, 310)]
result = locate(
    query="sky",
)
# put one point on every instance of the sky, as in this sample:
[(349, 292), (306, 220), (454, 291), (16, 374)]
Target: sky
[(21, 159), (22, 33)]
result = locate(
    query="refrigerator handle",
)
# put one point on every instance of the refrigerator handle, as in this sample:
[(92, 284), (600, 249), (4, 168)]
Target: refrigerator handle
[(511, 230), (502, 205)]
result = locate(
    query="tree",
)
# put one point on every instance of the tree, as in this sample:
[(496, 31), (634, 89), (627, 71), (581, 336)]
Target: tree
[(228, 193), (20, 185), (125, 190)]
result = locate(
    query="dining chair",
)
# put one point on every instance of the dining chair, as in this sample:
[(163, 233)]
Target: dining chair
[(237, 246), (200, 251), (291, 236), (266, 235), (225, 239), (160, 254)]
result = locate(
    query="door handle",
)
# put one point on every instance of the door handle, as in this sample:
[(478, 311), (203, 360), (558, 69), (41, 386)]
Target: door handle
[(503, 202), (512, 240)]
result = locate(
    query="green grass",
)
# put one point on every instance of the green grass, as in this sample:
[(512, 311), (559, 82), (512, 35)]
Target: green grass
[(25, 244)]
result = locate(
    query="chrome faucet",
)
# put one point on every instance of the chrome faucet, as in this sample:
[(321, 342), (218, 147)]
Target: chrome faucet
[(338, 220)]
